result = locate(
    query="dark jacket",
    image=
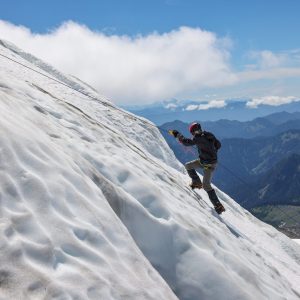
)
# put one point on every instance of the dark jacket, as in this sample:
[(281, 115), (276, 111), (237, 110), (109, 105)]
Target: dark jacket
[(207, 144)]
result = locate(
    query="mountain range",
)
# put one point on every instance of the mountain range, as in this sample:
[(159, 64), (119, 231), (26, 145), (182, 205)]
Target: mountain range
[(255, 162), (279, 185), (263, 126), (188, 111), (259, 170)]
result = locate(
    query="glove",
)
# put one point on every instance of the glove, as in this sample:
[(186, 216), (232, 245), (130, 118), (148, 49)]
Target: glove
[(175, 133)]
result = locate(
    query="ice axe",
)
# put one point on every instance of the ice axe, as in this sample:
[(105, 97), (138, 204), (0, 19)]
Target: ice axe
[(173, 133)]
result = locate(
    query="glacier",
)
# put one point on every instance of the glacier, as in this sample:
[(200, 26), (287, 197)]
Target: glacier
[(94, 205)]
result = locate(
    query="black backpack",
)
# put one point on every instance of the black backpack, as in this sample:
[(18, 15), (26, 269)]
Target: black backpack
[(213, 139), (217, 144)]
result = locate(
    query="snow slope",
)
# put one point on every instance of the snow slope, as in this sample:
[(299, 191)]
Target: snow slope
[(94, 205)]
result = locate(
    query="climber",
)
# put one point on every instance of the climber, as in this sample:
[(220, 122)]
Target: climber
[(208, 146)]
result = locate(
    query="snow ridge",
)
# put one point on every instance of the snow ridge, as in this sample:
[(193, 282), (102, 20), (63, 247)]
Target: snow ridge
[(94, 205)]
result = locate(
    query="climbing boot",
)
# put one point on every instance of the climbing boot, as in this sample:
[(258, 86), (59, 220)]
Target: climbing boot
[(219, 208), (196, 185)]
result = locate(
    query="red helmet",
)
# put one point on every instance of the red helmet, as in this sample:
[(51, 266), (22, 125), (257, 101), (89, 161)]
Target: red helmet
[(194, 127)]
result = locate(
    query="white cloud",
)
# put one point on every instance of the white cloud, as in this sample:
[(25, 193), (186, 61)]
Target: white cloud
[(192, 107), (132, 69), (276, 73), (270, 65), (205, 106), (171, 106), (271, 100), (268, 59), (184, 63)]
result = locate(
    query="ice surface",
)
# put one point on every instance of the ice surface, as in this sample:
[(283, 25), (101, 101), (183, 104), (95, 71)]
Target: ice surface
[(94, 205)]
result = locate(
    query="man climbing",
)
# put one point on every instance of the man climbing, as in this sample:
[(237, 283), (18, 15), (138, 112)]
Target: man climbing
[(208, 146)]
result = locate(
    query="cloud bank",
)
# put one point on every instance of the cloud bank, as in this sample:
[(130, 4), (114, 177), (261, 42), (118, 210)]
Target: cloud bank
[(132, 69), (271, 100), (185, 64), (205, 106)]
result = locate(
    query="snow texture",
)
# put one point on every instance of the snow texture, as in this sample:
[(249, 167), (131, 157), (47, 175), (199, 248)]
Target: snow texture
[(94, 205)]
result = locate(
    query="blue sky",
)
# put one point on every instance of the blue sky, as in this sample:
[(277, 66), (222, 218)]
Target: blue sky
[(257, 24), (252, 40)]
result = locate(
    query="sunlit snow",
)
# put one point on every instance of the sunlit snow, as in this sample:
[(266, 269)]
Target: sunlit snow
[(94, 205)]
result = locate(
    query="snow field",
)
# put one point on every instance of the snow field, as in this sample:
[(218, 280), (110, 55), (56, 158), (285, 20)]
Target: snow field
[(61, 238), (93, 205)]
